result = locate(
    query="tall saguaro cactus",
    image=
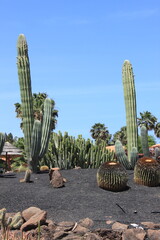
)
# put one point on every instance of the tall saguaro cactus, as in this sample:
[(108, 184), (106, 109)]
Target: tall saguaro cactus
[(36, 133), (130, 106), (26, 93)]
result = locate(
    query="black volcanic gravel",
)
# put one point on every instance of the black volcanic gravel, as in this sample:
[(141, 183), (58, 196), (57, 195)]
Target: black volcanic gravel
[(81, 198)]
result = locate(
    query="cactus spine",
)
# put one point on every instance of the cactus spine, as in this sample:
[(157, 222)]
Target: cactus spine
[(144, 141), (130, 106), (36, 133)]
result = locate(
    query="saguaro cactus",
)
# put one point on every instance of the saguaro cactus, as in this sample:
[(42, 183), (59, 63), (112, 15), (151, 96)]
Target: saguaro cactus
[(36, 133), (26, 93), (130, 106)]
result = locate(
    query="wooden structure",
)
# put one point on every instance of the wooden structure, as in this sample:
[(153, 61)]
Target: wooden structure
[(10, 152)]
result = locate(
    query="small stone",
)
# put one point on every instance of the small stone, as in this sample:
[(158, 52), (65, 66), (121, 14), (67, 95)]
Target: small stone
[(86, 222), (57, 179), (148, 224), (65, 226), (29, 212), (134, 233), (119, 226), (153, 234), (109, 222), (32, 223), (80, 230), (91, 236), (60, 235)]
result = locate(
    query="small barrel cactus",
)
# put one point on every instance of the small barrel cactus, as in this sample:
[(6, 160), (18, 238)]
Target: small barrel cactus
[(112, 176), (147, 172)]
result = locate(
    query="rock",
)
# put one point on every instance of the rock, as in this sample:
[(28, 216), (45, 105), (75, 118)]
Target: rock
[(119, 226), (148, 224), (153, 234), (91, 236), (50, 223), (108, 234), (32, 223), (72, 237), (135, 233), (65, 226), (86, 222), (51, 172), (60, 235), (108, 222), (80, 230), (57, 179), (29, 212)]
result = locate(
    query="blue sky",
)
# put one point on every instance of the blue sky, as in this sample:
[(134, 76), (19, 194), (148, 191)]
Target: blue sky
[(77, 49)]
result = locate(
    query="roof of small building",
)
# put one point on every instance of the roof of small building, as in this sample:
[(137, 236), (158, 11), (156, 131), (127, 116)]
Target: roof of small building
[(10, 150)]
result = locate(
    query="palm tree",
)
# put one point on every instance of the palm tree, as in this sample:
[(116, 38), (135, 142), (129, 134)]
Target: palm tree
[(121, 135), (157, 130), (38, 100), (147, 119), (100, 133)]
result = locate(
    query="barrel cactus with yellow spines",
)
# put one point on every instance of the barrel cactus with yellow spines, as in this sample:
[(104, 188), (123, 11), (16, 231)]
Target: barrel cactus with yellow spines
[(147, 172), (112, 176)]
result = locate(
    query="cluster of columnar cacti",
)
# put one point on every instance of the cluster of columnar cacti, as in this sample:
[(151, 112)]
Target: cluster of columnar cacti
[(147, 172), (66, 152), (36, 133), (112, 176), (123, 158), (130, 106)]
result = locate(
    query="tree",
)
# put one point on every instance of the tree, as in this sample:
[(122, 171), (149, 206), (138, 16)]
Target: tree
[(147, 119), (38, 101), (100, 133), (157, 130), (9, 138), (121, 135)]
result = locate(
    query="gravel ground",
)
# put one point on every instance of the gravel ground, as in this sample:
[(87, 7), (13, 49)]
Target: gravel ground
[(81, 198)]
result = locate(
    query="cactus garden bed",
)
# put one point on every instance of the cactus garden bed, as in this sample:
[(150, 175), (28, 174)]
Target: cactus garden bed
[(81, 198)]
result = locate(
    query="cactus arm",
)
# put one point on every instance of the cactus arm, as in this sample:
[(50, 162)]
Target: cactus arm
[(130, 105), (46, 126), (144, 141), (26, 93), (121, 156)]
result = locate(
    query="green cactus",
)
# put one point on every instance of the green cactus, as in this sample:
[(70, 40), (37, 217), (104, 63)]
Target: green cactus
[(67, 152), (121, 155), (36, 133), (144, 141), (134, 157), (112, 176), (157, 153), (130, 106), (2, 141), (147, 172)]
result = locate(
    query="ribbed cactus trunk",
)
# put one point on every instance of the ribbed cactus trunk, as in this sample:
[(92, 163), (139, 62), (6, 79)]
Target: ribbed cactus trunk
[(26, 94), (36, 133), (130, 106)]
